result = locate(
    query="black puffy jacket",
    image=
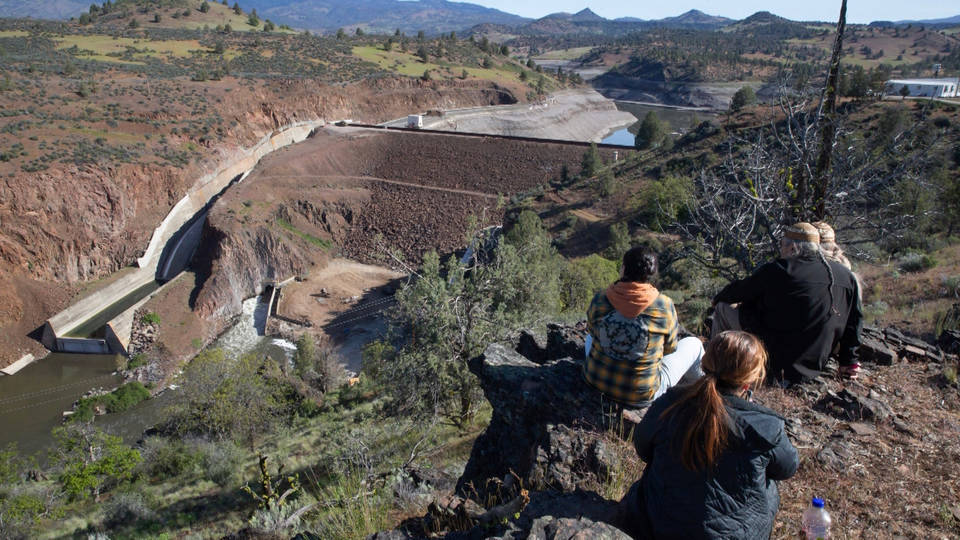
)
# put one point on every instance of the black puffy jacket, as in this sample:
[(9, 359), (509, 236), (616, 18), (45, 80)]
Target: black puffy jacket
[(738, 501)]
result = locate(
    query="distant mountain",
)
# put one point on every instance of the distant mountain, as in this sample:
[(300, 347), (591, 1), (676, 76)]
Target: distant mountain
[(586, 15), (947, 20), (588, 23), (378, 16), (49, 9), (697, 18), (764, 17), (764, 23)]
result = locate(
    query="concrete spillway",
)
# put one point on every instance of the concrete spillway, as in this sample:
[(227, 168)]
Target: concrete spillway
[(110, 310)]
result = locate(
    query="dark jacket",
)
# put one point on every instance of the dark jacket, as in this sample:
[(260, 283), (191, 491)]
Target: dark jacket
[(787, 304), (739, 500)]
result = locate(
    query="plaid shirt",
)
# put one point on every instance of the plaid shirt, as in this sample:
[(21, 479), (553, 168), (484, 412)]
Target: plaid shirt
[(624, 360)]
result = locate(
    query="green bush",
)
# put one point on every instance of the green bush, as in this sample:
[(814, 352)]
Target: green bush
[(150, 318), (652, 132), (121, 399), (917, 262), (661, 203), (583, 278), (165, 458)]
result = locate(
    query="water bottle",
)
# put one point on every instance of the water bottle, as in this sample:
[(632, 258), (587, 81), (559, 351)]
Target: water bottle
[(816, 521)]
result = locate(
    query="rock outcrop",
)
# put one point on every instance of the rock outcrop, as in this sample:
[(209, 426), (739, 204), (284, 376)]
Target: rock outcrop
[(543, 456), (552, 442)]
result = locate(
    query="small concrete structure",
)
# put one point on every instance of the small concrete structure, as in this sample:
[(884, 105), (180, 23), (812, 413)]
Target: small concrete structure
[(923, 87), (23, 362), (415, 121)]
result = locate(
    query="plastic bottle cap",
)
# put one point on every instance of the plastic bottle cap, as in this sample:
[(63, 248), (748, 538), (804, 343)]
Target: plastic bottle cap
[(817, 502)]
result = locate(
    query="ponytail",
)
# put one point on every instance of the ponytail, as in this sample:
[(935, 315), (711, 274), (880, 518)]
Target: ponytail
[(823, 261), (733, 359), (705, 433)]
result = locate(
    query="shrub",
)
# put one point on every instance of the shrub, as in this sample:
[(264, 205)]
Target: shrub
[(222, 462), (661, 203), (744, 97), (917, 262), (583, 278), (125, 508), (651, 133), (875, 310), (165, 458), (150, 318), (121, 399), (591, 161), (619, 241)]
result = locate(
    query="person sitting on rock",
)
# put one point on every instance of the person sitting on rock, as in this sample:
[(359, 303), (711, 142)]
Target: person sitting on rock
[(713, 457), (801, 305), (633, 354)]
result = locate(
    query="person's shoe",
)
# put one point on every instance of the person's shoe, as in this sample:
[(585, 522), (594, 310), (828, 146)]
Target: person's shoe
[(849, 371)]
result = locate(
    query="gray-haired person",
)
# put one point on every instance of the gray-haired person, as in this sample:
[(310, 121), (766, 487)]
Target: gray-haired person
[(801, 305)]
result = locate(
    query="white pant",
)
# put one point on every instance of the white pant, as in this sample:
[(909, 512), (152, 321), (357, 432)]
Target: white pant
[(682, 366)]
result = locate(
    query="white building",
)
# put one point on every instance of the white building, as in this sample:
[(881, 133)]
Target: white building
[(924, 87), (415, 121)]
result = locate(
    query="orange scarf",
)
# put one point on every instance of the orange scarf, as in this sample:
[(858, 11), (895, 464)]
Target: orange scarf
[(631, 298)]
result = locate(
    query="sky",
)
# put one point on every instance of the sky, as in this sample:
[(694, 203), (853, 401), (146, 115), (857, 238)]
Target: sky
[(858, 11)]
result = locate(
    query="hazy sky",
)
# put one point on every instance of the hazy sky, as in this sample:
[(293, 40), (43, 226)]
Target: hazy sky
[(858, 11)]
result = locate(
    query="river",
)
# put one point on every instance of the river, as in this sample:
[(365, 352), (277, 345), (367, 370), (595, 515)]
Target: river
[(33, 400)]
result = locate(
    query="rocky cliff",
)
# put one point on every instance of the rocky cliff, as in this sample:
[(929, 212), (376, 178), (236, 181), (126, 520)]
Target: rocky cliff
[(535, 473)]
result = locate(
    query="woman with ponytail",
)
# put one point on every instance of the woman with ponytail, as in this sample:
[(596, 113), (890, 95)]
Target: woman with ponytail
[(713, 457)]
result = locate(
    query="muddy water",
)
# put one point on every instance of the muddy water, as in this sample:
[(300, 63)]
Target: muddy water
[(32, 401), (678, 120)]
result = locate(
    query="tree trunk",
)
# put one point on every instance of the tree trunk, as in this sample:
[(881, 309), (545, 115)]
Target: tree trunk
[(828, 113)]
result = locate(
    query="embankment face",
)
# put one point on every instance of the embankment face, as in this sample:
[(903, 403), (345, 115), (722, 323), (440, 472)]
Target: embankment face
[(364, 194), (572, 115), (70, 224)]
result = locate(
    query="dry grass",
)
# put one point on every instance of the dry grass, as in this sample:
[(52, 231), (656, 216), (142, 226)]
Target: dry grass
[(894, 483), (407, 63), (914, 299)]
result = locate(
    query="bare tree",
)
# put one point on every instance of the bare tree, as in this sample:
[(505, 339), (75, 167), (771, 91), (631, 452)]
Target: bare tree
[(739, 207)]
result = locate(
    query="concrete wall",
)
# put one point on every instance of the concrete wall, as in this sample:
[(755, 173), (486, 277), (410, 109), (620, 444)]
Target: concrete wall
[(83, 346), (23, 362), (196, 199)]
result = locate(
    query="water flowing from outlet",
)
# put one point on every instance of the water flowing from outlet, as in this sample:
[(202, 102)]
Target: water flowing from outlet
[(248, 334)]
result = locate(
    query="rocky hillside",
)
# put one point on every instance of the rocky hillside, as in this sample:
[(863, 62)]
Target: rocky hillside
[(880, 450), (68, 223)]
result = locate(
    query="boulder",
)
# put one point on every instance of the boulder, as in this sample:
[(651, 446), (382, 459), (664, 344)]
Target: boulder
[(852, 405), (544, 424), (949, 341), (876, 351), (532, 346)]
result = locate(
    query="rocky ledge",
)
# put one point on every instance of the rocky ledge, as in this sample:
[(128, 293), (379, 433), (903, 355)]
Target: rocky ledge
[(553, 443)]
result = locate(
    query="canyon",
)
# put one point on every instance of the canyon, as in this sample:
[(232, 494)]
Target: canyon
[(69, 231)]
